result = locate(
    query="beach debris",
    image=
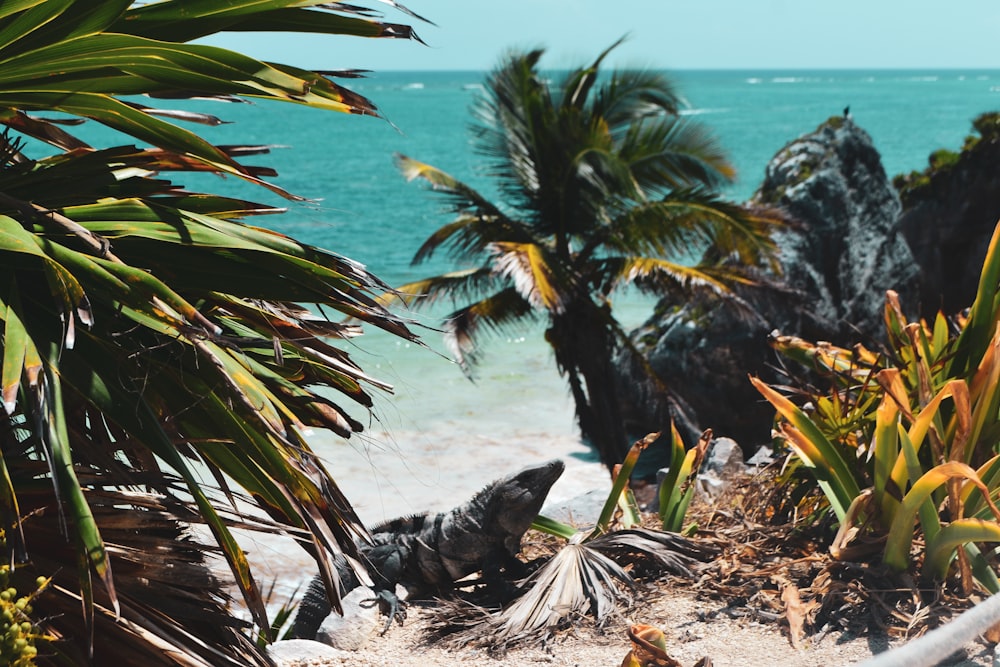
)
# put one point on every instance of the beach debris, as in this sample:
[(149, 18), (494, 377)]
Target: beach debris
[(940, 644), (649, 649), (797, 612)]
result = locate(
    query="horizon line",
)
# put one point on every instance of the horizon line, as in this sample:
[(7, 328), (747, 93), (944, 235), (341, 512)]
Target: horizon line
[(728, 69)]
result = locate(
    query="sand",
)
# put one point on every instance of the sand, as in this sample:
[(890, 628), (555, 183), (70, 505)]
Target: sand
[(694, 628)]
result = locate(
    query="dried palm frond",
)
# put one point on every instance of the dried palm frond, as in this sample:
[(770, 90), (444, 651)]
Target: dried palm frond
[(584, 578), (577, 580), (653, 549)]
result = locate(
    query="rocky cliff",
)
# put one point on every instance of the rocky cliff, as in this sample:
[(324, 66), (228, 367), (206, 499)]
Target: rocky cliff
[(843, 252), (950, 211)]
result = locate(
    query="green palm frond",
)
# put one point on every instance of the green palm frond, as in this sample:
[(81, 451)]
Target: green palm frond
[(675, 153), (663, 276), (453, 287), (77, 56), (493, 313), (478, 222), (633, 94), (151, 341), (577, 85), (178, 20), (535, 275), (685, 222)]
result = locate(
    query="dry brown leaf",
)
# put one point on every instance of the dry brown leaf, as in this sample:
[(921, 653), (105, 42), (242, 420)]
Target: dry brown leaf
[(993, 634), (796, 612)]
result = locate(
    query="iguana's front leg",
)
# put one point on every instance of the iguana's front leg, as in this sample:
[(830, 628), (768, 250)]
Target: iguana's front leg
[(315, 606), (387, 564)]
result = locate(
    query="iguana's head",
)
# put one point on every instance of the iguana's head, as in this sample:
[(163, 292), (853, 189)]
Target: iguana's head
[(515, 501)]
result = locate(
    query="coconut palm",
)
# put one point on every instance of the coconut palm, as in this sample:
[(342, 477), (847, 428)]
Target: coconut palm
[(601, 184), (160, 357)]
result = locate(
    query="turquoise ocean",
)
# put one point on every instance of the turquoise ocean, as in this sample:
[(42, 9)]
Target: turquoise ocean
[(439, 437)]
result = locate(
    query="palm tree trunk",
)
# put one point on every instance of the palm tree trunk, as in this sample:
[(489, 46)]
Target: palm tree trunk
[(584, 347)]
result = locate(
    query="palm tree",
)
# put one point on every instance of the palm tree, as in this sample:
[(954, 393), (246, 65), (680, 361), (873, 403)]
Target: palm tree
[(160, 358), (601, 184)]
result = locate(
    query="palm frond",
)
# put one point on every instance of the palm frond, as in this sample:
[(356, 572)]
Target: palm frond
[(161, 20), (577, 580), (635, 94), (535, 274), (689, 223), (665, 277), (672, 153), (478, 222), (591, 577), (576, 88), (493, 313), (454, 287)]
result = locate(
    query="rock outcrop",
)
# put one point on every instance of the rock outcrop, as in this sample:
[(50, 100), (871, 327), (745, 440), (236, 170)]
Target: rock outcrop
[(848, 251), (950, 212), (840, 257)]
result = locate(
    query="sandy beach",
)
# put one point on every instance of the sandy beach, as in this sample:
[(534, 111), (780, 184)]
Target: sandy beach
[(694, 628)]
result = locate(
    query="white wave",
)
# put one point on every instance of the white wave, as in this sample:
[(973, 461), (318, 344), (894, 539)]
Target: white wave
[(699, 112), (921, 78), (754, 79), (416, 85), (787, 79)]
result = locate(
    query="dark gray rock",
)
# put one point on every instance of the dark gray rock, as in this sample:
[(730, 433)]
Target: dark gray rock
[(949, 213), (849, 249), (842, 254)]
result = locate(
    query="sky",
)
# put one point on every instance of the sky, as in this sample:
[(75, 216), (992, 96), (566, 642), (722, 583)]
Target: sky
[(668, 34)]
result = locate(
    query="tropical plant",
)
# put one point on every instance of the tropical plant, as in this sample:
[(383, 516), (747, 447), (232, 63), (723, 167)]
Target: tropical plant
[(602, 185), (909, 437), (678, 485), (159, 360)]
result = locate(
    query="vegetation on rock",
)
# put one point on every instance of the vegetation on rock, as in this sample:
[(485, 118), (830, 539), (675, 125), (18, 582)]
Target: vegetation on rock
[(943, 160)]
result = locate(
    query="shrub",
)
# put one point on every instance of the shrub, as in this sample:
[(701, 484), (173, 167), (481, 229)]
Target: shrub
[(905, 438)]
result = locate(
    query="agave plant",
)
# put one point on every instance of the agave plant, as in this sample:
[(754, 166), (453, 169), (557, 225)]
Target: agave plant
[(161, 359), (908, 438)]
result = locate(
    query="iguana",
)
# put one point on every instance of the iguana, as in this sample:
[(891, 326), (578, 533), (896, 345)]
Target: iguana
[(428, 552)]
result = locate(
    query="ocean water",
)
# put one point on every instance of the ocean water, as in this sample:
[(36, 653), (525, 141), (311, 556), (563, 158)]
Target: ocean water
[(439, 437)]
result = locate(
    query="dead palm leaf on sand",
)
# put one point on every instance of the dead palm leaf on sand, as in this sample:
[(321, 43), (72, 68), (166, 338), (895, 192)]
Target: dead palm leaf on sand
[(590, 575)]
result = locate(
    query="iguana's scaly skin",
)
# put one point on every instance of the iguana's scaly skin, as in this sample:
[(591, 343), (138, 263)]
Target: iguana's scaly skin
[(430, 552)]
